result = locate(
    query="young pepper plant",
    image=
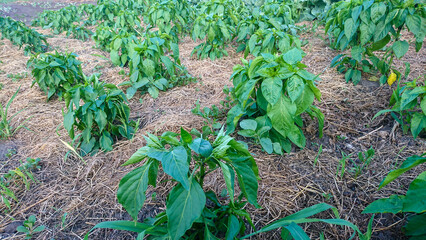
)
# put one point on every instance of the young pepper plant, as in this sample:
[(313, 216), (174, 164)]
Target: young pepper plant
[(188, 161), (170, 16), (192, 213), (274, 91), (409, 107), (55, 73), (270, 41), (215, 24), (19, 34), (150, 69), (369, 27), (103, 117)]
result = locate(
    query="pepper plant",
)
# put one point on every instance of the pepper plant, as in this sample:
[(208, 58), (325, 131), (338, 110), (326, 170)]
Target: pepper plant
[(408, 103), (127, 20), (120, 47), (191, 212), (281, 14), (369, 27), (19, 34), (412, 202), (55, 73), (270, 41), (102, 119), (170, 16), (79, 32), (151, 70), (59, 20), (105, 11), (215, 24), (103, 37), (274, 91)]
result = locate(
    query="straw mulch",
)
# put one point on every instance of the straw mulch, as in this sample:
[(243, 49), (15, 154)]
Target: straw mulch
[(87, 193)]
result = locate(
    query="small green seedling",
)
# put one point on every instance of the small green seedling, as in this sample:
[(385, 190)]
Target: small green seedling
[(10, 153), (364, 159), (260, 133), (342, 165), (28, 227)]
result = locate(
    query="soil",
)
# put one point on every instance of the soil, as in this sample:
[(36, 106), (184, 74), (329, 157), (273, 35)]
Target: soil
[(25, 11), (7, 148), (86, 193)]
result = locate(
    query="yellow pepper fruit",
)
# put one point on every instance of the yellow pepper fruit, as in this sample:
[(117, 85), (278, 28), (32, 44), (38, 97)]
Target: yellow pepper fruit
[(391, 78)]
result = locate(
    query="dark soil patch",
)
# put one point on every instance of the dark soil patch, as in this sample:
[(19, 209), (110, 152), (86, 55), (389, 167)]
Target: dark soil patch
[(7, 147), (26, 11)]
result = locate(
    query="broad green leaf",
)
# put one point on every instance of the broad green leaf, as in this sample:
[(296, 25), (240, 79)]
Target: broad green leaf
[(138, 156), (295, 87), (380, 44), (248, 124), (349, 28), (415, 199), (232, 118), (293, 56), (245, 92), (418, 124), (69, 121), (414, 24), (305, 100), (153, 91), (132, 189), (233, 227), (415, 226), (367, 32), (106, 142), (408, 164), (267, 145), (356, 53), (184, 206), (115, 58), (117, 44), (202, 147), (101, 119), (168, 63), (149, 67), (211, 34), (281, 115), (252, 42), (423, 105), (393, 204), (378, 10), (135, 76), (400, 48), (175, 164), (229, 176), (247, 133), (272, 89), (246, 176), (185, 136), (59, 74), (356, 11)]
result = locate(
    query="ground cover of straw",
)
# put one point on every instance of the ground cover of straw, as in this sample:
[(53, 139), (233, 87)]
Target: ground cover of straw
[(289, 183)]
